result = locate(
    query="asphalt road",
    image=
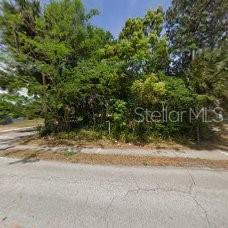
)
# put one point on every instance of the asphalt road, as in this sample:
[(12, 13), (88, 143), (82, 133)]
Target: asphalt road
[(50, 194)]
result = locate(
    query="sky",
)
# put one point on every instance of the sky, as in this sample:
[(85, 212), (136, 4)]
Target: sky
[(114, 13)]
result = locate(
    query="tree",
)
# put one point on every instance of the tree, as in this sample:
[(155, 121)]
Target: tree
[(207, 74), (193, 26), (141, 45), (46, 44), (84, 78), (139, 49), (149, 91)]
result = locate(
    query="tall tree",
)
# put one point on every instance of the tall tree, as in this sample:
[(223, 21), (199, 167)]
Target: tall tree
[(141, 48), (193, 26), (46, 44)]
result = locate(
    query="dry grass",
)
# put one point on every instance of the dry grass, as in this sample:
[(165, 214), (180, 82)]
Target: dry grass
[(22, 124), (101, 143), (29, 156)]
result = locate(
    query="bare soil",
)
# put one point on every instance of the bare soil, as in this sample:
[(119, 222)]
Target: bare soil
[(31, 156)]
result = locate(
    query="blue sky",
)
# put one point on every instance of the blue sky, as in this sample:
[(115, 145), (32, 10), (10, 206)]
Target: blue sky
[(114, 13)]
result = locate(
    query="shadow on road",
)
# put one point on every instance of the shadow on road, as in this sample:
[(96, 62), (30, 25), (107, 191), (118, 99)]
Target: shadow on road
[(30, 159)]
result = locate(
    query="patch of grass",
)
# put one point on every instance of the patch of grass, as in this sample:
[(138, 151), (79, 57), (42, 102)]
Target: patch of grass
[(82, 134), (125, 160), (69, 153), (145, 164)]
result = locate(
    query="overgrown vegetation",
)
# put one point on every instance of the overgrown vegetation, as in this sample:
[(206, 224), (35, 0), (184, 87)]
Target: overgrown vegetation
[(80, 77)]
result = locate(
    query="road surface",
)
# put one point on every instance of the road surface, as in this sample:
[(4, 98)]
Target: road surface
[(50, 194)]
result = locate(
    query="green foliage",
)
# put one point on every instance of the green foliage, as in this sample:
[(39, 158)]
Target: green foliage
[(82, 78), (14, 106), (6, 107), (141, 45), (193, 26), (208, 73), (150, 90), (119, 117)]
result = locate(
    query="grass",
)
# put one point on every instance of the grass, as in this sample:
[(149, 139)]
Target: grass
[(93, 139), (122, 160), (69, 153)]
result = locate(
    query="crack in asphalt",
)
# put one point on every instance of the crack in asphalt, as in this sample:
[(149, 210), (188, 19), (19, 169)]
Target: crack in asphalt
[(187, 193), (202, 208), (157, 189), (105, 216), (192, 180), (194, 197)]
